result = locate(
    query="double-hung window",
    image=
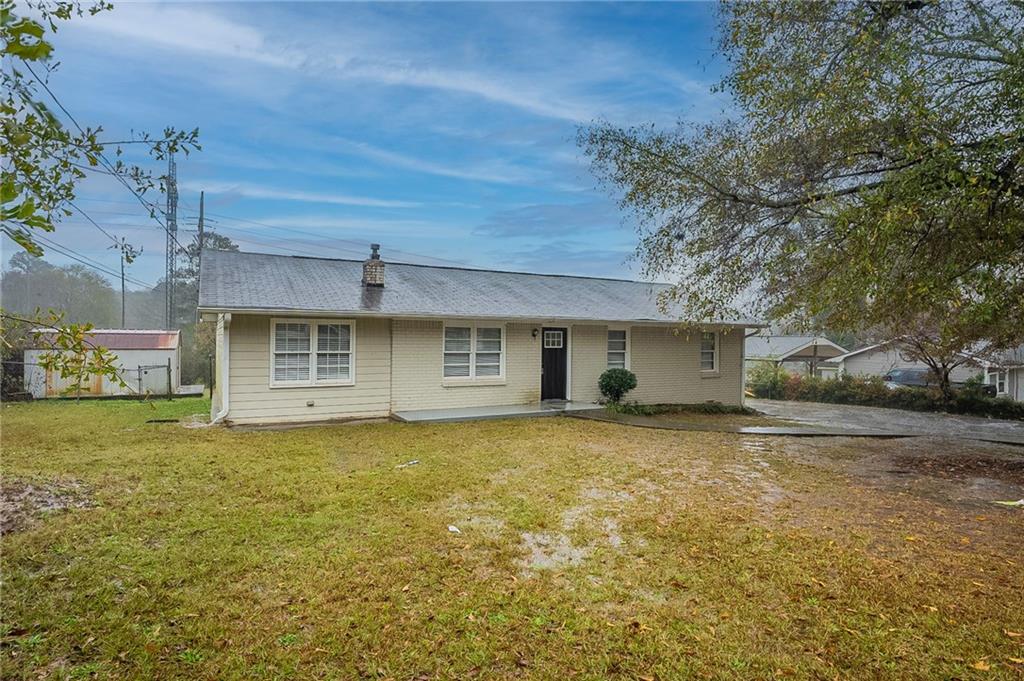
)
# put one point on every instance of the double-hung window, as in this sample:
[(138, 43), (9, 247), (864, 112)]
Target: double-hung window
[(709, 351), (473, 351), (305, 352), (617, 340)]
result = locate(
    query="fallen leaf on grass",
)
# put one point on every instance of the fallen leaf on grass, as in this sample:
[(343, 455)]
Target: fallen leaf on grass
[(1016, 660), (1012, 634), (981, 666)]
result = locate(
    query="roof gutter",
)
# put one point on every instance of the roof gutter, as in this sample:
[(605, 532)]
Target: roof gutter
[(225, 373), (343, 314)]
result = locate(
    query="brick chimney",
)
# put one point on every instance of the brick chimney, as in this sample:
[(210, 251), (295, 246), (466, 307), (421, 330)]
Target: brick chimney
[(373, 269)]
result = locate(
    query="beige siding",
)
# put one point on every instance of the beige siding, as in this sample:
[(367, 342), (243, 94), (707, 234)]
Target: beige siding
[(416, 370), (253, 400), (589, 360), (399, 367), (667, 367), (882, 360)]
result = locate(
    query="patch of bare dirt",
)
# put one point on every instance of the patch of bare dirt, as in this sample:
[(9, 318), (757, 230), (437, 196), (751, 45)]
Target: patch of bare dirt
[(22, 502), (949, 471), (598, 512)]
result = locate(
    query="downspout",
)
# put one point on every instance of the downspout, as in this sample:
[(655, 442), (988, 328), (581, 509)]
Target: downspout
[(225, 387)]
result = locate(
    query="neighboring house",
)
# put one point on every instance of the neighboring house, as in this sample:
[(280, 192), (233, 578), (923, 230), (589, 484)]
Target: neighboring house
[(305, 339), (143, 357), (881, 358), (800, 354), (1006, 373)]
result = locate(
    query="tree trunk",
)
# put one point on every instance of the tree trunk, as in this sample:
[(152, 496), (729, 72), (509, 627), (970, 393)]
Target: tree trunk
[(944, 383)]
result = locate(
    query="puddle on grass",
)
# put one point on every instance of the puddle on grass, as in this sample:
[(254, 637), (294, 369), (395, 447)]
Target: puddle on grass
[(550, 551), (555, 550), (24, 501)]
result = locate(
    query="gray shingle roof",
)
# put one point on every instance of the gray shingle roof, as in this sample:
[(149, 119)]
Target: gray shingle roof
[(765, 347), (234, 280)]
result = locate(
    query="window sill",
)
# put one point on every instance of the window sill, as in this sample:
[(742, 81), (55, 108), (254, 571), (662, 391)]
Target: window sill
[(331, 384), (460, 382), (710, 374)]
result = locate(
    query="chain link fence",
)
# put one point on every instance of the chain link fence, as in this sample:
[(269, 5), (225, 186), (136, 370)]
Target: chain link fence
[(31, 380)]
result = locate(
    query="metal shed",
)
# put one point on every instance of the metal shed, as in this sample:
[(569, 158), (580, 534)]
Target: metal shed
[(149, 361)]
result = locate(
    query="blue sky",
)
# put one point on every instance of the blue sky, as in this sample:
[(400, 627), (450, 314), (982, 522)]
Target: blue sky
[(446, 132)]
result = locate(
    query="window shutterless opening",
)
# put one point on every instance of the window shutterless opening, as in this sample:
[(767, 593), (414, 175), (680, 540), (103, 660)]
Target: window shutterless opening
[(309, 352), (709, 351), (473, 352)]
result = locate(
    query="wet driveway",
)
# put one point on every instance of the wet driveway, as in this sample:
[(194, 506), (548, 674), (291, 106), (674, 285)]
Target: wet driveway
[(866, 419)]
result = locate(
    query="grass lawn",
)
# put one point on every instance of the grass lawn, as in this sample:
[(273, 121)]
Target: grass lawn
[(587, 550)]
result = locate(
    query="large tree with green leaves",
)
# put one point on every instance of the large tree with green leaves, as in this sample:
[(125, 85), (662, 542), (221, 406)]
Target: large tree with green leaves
[(47, 153), (871, 175)]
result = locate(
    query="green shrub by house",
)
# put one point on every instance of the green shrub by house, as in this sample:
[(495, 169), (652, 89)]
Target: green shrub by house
[(614, 383)]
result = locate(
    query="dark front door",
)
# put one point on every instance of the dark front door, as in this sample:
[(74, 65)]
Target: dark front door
[(553, 355)]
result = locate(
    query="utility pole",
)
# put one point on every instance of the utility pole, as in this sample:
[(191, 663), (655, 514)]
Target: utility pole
[(199, 258), (128, 254), (172, 239)]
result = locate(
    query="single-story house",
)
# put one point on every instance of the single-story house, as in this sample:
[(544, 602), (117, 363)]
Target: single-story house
[(803, 354), (148, 360), (308, 339), (879, 359), (1006, 373)]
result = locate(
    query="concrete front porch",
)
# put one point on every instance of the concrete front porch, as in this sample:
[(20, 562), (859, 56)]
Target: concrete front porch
[(507, 411)]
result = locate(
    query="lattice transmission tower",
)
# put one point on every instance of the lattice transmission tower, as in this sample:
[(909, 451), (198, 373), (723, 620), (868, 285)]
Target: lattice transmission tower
[(172, 239)]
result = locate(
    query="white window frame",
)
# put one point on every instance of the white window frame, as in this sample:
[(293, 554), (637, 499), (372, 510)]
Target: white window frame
[(606, 339), (997, 377), (473, 378), (314, 330), (554, 332), (715, 353)]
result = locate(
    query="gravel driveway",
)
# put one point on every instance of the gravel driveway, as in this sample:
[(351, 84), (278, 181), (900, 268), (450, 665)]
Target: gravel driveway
[(861, 419)]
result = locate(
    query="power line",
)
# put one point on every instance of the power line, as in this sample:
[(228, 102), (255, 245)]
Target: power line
[(152, 208), (89, 262), (93, 222), (91, 198), (362, 245)]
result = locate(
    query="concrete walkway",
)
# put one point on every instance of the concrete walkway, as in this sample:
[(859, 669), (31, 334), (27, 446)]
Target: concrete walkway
[(639, 421), (546, 408), (848, 417)]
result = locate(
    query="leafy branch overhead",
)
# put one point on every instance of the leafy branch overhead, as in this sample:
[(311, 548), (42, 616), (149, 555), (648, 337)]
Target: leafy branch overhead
[(44, 158), (873, 174)]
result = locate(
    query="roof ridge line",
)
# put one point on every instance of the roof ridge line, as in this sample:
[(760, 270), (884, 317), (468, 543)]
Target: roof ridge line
[(447, 267)]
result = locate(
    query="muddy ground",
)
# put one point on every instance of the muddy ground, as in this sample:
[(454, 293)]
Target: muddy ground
[(23, 502)]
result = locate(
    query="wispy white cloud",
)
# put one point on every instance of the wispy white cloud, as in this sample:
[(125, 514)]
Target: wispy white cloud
[(495, 87), (368, 56), (330, 225), (255, 191), (190, 29), (493, 171)]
